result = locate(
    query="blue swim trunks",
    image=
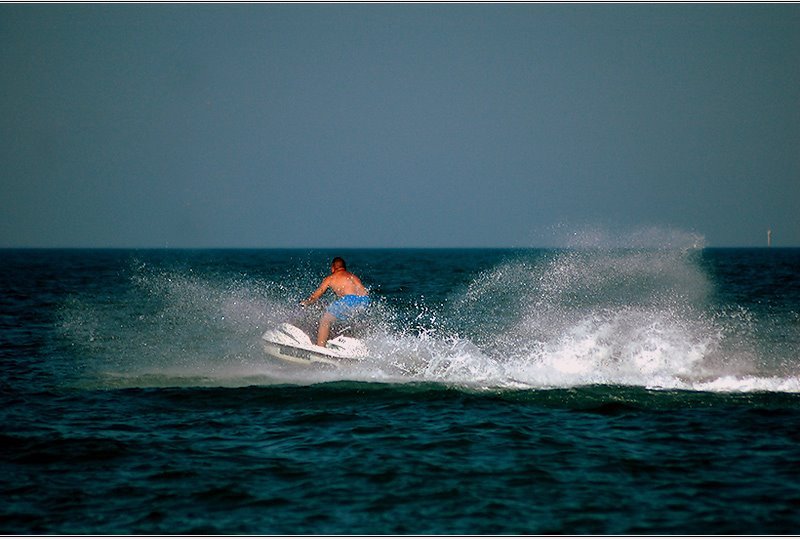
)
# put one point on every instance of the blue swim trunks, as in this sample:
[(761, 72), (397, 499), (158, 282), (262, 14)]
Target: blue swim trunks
[(347, 306)]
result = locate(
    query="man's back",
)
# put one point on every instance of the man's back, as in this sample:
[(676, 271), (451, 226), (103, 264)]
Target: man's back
[(344, 283)]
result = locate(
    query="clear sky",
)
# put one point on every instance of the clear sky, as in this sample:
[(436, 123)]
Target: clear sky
[(396, 125)]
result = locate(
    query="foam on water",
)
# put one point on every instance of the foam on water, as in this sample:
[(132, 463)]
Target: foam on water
[(604, 317), (621, 315)]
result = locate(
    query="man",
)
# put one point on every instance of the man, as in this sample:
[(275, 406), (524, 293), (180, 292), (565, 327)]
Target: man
[(353, 298)]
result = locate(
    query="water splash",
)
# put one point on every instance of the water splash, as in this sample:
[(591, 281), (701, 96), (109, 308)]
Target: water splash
[(173, 321), (600, 236), (641, 316)]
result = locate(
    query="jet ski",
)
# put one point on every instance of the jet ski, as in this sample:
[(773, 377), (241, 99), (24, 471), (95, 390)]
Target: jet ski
[(291, 344)]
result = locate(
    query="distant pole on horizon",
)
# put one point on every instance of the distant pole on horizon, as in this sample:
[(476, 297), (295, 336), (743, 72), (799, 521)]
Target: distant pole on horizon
[(769, 237)]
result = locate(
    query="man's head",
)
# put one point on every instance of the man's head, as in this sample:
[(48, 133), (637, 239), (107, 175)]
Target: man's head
[(338, 263)]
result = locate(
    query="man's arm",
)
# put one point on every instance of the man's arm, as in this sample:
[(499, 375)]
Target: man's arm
[(326, 282)]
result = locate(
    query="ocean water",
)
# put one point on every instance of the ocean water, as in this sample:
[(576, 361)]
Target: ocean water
[(635, 389)]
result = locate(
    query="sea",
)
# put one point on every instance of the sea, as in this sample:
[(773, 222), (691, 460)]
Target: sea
[(584, 390)]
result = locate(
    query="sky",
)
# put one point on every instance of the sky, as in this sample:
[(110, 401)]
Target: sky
[(397, 125)]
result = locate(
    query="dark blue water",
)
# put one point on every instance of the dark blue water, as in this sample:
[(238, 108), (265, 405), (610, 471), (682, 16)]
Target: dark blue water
[(582, 391)]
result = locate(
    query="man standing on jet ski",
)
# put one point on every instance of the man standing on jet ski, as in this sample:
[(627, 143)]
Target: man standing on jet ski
[(353, 298)]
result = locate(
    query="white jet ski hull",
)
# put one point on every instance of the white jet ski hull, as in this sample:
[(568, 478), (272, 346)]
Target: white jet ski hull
[(290, 344)]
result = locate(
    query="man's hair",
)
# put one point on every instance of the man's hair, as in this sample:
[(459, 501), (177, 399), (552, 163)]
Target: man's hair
[(338, 262)]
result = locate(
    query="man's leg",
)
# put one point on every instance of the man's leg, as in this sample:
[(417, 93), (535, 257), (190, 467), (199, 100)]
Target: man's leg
[(325, 328)]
